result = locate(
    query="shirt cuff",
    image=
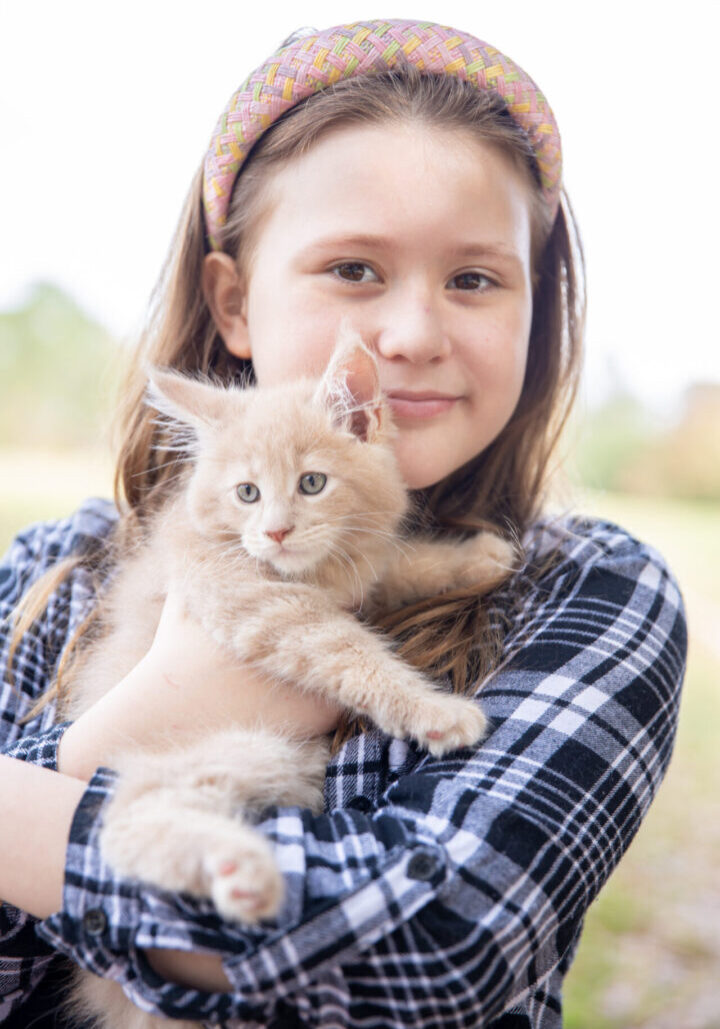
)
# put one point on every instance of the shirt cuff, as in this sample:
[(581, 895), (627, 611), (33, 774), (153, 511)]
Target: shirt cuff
[(315, 935), (40, 748), (106, 923)]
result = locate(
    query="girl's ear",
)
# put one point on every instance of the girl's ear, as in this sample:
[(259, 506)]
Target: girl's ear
[(350, 387), (225, 296), (185, 400)]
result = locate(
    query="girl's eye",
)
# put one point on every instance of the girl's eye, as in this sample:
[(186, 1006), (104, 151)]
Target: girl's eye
[(248, 492), (470, 281), (312, 482), (354, 271)]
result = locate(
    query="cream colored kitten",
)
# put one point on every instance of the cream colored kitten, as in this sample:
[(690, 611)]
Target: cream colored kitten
[(285, 528)]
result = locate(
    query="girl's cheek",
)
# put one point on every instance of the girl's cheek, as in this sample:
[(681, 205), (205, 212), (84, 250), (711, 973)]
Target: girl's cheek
[(503, 342), (511, 335)]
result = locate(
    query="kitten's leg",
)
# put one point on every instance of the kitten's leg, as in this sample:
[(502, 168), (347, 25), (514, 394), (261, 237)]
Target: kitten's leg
[(294, 636), (175, 846), (176, 818), (102, 1004), (430, 567)]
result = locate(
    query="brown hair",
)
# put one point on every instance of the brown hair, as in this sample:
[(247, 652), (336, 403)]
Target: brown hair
[(502, 486)]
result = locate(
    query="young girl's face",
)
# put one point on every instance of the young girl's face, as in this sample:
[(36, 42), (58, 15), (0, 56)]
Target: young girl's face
[(420, 237)]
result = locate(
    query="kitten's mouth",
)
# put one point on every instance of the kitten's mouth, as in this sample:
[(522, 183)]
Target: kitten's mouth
[(284, 549), (288, 557)]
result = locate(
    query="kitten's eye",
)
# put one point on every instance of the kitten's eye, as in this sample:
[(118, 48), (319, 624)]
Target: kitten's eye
[(248, 492), (312, 482), (354, 271)]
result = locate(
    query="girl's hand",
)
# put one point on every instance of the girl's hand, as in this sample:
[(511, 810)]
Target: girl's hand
[(186, 686)]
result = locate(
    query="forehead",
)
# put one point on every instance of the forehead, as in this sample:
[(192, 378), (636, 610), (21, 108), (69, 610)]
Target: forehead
[(413, 180), (278, 427)]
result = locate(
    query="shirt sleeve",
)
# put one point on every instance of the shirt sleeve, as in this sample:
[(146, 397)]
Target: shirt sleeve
[(25, 959), (31, 554), (466, 886)]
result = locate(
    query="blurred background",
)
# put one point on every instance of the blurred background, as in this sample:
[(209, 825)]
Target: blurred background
[(105, 112)]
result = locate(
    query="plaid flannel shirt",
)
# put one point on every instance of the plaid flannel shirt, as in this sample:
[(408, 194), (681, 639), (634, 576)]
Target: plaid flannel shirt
[(431, 892)]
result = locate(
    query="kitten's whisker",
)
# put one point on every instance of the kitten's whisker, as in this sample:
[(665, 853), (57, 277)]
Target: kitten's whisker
[(176, 442), (366, 527), (171, 481), (400, 545), (166, 464), (357, 578), (399, 541), (340, 553), (374, 531), (372, 567), (373, 515)]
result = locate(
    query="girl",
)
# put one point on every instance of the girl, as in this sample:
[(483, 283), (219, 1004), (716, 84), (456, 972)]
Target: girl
[(406, 176)]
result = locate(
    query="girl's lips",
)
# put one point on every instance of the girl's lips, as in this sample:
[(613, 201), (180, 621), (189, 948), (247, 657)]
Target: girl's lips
[(405, 404)]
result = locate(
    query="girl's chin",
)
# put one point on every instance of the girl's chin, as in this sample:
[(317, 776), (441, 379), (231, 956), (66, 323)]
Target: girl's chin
[(419, 471), (425, 461)]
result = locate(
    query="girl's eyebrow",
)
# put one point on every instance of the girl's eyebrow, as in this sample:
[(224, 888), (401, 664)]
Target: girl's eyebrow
[(347, 242), (500, 250), (494, 250)]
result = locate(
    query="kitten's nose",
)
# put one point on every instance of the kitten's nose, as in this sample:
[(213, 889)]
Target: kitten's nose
[(278, 534)]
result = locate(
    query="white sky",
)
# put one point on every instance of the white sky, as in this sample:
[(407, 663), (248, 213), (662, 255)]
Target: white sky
[(106, 109)]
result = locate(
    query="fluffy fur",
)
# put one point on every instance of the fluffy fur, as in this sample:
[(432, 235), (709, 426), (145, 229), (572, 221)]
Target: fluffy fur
[(278, 579)]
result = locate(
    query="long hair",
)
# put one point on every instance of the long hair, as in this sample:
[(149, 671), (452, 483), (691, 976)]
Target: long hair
[(504, 485)]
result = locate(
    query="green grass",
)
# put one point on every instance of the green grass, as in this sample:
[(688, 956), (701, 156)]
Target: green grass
[(652, 935), (42, 485), (651, 948)]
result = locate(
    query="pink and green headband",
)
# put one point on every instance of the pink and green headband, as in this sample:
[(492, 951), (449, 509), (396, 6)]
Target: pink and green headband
[(314, 62)]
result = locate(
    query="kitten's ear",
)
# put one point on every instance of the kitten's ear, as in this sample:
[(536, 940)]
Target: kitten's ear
[(350, 387), (194, 403)]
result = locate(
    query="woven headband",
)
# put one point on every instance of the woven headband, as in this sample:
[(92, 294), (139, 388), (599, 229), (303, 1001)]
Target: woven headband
[(311, 63)]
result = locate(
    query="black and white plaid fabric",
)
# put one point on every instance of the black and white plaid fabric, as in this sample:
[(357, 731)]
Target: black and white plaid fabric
[(432, 892)]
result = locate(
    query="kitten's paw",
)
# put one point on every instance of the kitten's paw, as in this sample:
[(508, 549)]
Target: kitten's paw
[(488, 560), (245, 883), (445, 722), (414, 707)]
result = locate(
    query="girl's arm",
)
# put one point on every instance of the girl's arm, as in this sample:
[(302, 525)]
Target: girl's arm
[(435, 888), (38, 806), (25, 959)]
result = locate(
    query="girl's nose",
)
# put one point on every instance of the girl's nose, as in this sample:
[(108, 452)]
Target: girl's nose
[(412, 329)]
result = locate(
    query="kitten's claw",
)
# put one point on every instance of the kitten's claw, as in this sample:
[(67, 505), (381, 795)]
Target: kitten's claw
[(444, 723), (438, 721), (245, 883)]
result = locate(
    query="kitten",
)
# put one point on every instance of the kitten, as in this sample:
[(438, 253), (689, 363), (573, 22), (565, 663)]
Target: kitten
[(284, 528)]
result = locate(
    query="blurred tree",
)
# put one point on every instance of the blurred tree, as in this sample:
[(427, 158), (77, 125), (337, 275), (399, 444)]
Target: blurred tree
[(608, 439), (621, 448), (56, 371), (683, 461)]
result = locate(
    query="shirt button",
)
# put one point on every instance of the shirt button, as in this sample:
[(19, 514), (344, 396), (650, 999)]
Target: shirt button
[(423, 865), (361, 803), (94, 922)]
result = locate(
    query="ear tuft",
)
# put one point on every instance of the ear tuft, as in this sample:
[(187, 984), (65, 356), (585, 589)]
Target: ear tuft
[(182, 399), (350, 387)]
